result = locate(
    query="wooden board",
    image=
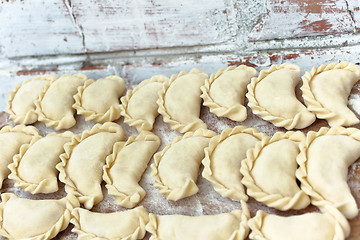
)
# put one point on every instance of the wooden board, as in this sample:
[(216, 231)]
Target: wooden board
[(207, 201)]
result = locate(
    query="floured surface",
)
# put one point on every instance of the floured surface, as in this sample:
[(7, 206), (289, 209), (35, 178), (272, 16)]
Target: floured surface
[(207, 201)]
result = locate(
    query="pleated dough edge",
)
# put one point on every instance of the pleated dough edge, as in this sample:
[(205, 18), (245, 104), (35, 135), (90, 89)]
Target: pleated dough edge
[(69, 147), (262, 112), (299, 201), (71, 203), (174, 124), (56, 124), (33, 188), (235, 113), (24, 119), (172, 194), (240, 234), (123, 199), (110, 115), (214, 142), (342, 226), (301, 173), (29, 130), (139, 124), (82, 235), (310, 101)]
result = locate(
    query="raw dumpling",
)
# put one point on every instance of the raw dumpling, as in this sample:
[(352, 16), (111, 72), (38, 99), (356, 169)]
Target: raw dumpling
[(20, 105), (326, 90), (223, 158), (22, 218), (324, 161), (82, 163), (128, 224), (54, 106), (272, 97), (11, 139), (125, 166), (224, 92), (99, 100), (33, 168), (269, 172), (227, 226), (139, 106), (180, 102), (176, 168), (329, 225)]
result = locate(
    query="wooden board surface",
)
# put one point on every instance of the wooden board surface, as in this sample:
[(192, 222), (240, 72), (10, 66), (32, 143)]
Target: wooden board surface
[(207, 201), (139, 39)]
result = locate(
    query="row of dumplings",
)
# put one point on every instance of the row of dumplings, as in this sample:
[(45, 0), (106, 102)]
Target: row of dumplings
[(83, 160), (269, 169), (53, 100), (271, 95), (43, 219)]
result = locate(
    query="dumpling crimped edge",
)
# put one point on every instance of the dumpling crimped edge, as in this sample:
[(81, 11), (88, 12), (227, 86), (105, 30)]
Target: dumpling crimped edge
[(310, 101), (33, 188), (171, 193), (262, 112), (174, 124), (214, 142), (70, 186), (56, 124), (82, 235), (218, 110), (139, 124), (298, 201), (110, 115), (71, 203), (21, 119), (121, 198), (342, 226), (302, 173), (240, 234)]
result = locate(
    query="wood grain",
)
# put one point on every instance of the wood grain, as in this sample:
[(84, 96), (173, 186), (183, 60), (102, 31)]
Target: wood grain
[(131, 25), (42, 27), (299, 18)]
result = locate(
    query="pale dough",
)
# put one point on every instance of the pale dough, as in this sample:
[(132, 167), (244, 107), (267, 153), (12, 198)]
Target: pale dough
[(326, 90), (20, 104), (128, 224), (180, 102), (176, 168), (81, 166), (269, 172), (224, 92), (324, 161), (99, 100), (125, 166), (54, 106), (34, 169), (272, 97), (223, 158)]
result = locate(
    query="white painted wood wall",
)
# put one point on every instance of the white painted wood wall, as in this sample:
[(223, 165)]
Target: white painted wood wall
[(139, 38)]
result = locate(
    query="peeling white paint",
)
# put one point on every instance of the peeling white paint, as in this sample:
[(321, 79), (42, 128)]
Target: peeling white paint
[(40, 27)]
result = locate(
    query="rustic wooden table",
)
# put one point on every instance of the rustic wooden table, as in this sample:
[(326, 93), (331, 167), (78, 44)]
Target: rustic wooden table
[(139, 39)]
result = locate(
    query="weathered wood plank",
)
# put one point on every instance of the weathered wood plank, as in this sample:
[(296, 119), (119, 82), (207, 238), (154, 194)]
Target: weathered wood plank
[(130, 25), (37, 28), (354, 11), (300, 18)]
